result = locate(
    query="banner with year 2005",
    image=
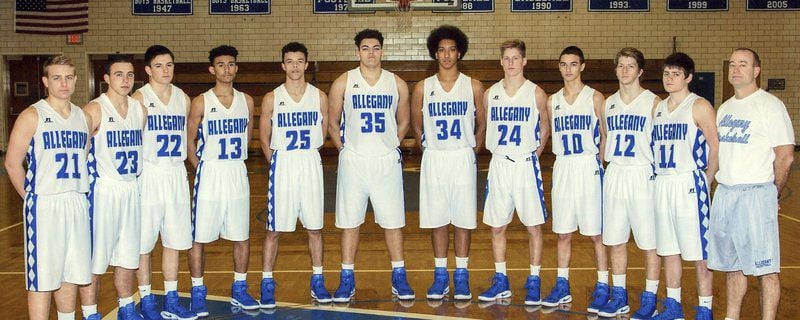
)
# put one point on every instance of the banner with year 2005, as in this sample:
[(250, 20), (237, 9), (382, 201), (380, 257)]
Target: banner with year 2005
[(161, 7), (541, 5), (239, 6), (619, 5), (697, 5), (773, 5)]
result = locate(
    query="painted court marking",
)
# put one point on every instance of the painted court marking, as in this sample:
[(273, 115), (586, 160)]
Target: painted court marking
[(11, 226)]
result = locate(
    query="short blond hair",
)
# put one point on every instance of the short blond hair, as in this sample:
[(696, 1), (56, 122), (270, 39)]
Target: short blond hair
[(61, 60), (515, 43)]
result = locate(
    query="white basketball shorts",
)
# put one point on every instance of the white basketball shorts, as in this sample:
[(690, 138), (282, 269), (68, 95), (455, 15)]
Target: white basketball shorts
[(514, 183), (578, 195), (447, 189), (221, 202), (165, 208), (628, 204), (682, 215), (295, 190), (377, 179)]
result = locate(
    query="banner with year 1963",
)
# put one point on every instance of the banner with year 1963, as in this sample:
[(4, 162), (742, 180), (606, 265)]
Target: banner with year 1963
[(239, 6)]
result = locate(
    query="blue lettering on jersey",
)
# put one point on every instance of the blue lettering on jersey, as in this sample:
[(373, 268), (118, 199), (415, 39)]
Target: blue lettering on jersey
[(297, 119), (372, 101), (124, 138), (741, 137), (670, 131), (630, 122), (166, 122), (573, 122), (519, 114), (64, 139), (227, 126), (447, 108)]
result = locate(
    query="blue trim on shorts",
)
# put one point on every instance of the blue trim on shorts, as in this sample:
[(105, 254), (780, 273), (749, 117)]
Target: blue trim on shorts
[(91, 162), (602, 177), (31, 246), (703, 209), (194, 196), (699, 151), (201, 141), (30, 176), (271, 193), (539, 183), (341, 129)]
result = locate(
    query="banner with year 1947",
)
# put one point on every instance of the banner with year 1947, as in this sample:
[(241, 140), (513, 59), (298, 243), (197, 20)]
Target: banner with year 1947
[(161, 7)]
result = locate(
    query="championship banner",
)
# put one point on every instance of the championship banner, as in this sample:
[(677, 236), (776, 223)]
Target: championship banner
[(333, 6), (472, 6), (697, 5), (773, 5), (239, 7), (619, 5), (541, 5), (161, 7)]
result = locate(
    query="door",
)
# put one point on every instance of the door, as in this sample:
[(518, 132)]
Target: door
[(25, 78)]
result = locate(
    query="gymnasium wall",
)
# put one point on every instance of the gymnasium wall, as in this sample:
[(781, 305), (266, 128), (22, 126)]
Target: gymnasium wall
[(707, 37)]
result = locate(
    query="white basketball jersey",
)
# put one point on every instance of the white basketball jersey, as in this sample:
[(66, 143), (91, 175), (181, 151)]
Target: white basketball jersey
[(368, 125), (630, 128), (575, 127), (164, 137), (116, 150), (678, 143), (222, 135), (448, 118), (296, 125), (512, 123), (57, 153)]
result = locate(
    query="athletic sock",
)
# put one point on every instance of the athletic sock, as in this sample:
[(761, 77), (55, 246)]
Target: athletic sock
[(170, 286), (89, 310), (674, 293), (316, 270), (398, 264), (440, 262), (651, 286), (535, 270), (563, 273), (125, 301), (602, 276), (266, 275), (66, 315), (196, 282), (500, 267), (462, 262), (145, 290), (348, 266), (619, 280), (705, 301), (239, 276)]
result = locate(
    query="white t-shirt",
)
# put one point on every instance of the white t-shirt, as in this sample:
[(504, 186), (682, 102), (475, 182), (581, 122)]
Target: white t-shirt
[(749, 129)]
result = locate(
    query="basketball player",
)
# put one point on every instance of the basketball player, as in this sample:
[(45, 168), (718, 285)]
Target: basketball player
[(292, 130), (629, 184), (517, 129), (162, 184), (578, 141), (50, 136), (448, 107), (685, 143), (218, 136), (370, 107), (756, 154)]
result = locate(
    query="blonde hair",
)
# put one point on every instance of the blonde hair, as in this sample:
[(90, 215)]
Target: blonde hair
[(61, 60), (515, 43)]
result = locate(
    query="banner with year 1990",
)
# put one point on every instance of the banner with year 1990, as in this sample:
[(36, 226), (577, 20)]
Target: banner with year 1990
[(541, 5)]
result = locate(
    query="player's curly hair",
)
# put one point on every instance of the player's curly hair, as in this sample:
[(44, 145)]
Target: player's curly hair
[(368, 34), (223, 50), (448, 32)]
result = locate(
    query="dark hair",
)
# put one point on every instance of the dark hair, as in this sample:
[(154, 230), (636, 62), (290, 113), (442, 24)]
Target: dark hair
[(223, 50), (573, 50), (154, 51), (631, 53), (509, 44), (117, 58), (368, 34), (447, 32), (294, 47), (682, 61), (756, 58)]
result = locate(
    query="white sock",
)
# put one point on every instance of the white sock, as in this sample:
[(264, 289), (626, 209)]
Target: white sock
[(440, 262), (461, 262), (239, 276), (563, 273), (196, 282), (705, 301), (170, 286), (535, 270), (316, 270), (674, 293), (602, 276), (651, 285), (145, 290), (398, 264), (125, 301), (348, 266), (266, 275), (618, 280), (66, 315), (89, 310), (500, 267)]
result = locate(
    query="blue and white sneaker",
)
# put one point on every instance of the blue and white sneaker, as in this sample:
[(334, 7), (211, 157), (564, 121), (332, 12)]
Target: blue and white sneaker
[(93, 316), (618, 304), (198, 305), (532, 285), (128, 312), (703, 313), (599, 297), (559, 295), (267, 293), (441, 284), (647, 306), (347, 287), (173, 309), (499, 289), (461, 284), (400, 287), (673, 310), (240, 298), (318, 291), (149, 308)]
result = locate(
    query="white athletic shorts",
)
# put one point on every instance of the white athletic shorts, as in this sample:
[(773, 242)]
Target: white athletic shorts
[(221, 202), (57, 243), (743, 234), (628, 204), (578, 195), (682, 215), (514, 183), (295, 191), (447, 189), (377, 179), (165, 208), (114, 211)]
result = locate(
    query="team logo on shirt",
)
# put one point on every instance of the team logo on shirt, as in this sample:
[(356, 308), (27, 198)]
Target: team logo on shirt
[(612, 106), (355, 86), (214, 109), (152, 105), (658, 114), (48, 120), (110, 119), (691, 191), (558, 107), (432, 93), (496, 97), (281, 103)]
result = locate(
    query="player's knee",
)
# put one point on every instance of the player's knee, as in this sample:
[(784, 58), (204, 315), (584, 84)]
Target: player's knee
[(273, 235), (564, 237), (597, 239)]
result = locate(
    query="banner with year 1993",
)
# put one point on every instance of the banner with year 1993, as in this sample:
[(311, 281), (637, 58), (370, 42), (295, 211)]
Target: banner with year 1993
[(619, 5)]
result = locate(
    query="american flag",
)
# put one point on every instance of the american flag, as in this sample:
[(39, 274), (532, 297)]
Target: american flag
[(52, 16)]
